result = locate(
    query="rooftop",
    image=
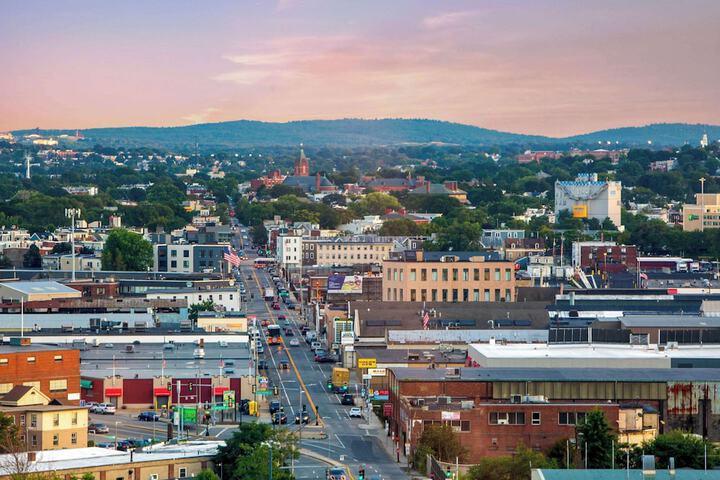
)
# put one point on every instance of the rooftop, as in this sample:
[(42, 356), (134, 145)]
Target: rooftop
[(42, 287), (660, 474), (680, 321), (636, 375), (596, 351), (94, 457)]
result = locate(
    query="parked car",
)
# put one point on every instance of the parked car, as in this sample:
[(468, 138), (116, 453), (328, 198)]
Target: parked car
[(103, 409), (282, 318), (262, 365), (347, 399), (98, 428), (260, 349), (315, 345), (325, 359), (148, 417), (355, 412), (276, 306)]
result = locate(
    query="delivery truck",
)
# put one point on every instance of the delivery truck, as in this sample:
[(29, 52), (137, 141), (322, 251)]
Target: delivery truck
[(340, 380)]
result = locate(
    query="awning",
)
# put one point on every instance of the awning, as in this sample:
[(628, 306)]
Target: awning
[(113, 392), (161, 392), (87, 384), (219, 390)]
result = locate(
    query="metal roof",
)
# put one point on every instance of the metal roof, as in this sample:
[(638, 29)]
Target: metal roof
[(41, 287), (674, 321), (620, 474), (640, 375)]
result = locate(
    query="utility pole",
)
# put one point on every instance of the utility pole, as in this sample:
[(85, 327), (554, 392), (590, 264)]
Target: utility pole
[(702, 204), (72, 213)]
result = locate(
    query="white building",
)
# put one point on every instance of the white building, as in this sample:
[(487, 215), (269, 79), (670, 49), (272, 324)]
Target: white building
[(369, 223), (227, 299), (586, 197), (289, 250)]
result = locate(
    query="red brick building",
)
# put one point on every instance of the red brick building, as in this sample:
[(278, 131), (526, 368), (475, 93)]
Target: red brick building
[(52, 370), (495, 409), (270, 180), (612, 259)]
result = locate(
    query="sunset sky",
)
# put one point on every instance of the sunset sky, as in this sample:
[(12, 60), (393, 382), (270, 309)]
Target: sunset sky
[(527, 66)]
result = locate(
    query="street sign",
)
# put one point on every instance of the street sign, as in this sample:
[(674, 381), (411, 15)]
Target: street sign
[(367, 377), (377, 372), (367, 363)]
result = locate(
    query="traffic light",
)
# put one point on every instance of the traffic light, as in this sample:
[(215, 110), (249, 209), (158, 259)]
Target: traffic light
[(448, 473), (254, 388), (276, 390), (361, 473)]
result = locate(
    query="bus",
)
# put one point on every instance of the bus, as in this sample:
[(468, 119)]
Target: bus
[(273, 334), (263, 262)]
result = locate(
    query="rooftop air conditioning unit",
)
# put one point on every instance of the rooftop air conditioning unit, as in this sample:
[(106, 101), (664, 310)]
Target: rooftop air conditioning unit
[(672, 345), (444, 400), (452, 373)]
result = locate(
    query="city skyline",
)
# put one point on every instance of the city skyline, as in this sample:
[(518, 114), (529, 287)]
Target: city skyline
[(556, 68)]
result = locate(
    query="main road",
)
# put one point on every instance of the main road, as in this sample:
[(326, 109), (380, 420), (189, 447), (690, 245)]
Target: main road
[(355, 442)]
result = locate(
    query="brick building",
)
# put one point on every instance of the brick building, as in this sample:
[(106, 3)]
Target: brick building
[(495, 409), (448, 277), (608, 258), (53, 371)]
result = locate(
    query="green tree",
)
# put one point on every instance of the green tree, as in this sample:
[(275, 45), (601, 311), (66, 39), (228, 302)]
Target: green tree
[(259, 234), (399, 227), (126, 251), (512, 467), (246, 454), (207, 474), (165, 192), (598, 438), (196, 308), (32, 258), (62, 247), (442, 442), (688, 450), (375, 203)]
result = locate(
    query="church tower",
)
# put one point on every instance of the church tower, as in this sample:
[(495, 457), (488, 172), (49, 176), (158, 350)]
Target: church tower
[(302, 165)]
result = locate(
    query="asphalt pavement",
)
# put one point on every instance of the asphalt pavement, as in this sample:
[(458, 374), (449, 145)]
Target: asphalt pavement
[(353, 442)]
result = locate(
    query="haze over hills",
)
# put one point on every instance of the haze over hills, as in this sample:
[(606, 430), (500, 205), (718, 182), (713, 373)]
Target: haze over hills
[(358, 132)]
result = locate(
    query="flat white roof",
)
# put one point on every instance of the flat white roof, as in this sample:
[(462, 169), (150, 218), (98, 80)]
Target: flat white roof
[(94, 457), (595, 351)]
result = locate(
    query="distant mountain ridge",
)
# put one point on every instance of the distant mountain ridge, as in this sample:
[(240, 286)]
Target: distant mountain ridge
[(359, 132)]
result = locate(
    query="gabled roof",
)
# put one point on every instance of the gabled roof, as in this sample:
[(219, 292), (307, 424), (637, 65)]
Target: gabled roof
[(18, 393)]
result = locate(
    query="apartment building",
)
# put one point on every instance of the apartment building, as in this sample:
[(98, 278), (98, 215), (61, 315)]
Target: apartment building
[(586, 197), (704, 213), (354, 250), (288, 250), (190, 258), (54, 371), (42, 425), (448, 277)]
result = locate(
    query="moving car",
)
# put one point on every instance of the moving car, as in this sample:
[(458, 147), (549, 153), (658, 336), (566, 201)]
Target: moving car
[(304, 417), (335, 473), (262, 365), (347, 399), (274, 406), (148, 417), (294, 342), (276, 306), (98, 428), (279, 418), (325, 359), (289, 332), (282, 317), (284, 364), (355, 412), (290, 306)]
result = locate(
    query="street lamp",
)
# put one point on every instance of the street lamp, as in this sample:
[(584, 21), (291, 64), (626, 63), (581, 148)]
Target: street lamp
[(72, 213), (116, 433)]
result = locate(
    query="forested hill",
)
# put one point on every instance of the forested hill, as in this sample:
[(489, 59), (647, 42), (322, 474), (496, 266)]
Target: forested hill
[(356, 132)]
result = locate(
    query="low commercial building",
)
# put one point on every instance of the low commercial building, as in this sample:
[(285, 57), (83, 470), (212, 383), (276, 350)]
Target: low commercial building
[(226, 298), (704, 213), (154, 463), (588, 197), (495, 409), (42, 424), (448, 277)]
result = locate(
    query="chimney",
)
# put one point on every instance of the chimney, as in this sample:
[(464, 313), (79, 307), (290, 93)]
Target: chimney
[(317, 182)]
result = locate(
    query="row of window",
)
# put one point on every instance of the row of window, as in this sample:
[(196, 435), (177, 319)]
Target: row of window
[(518, 418), (457, 425), (55, 439), (34, 419), (379, 248), (453, 295), (4, 362), (399, 274), (352, 256)]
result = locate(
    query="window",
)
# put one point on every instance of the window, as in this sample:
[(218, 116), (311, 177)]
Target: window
[(486, 275), (476, 274), (58, 385), (434, 295), (401, 275), (412, 295), (31, 359), (445, 274), (570, 418), (173, 264), (497, 294), (22, 420), (4, 362), (33, 420), (465, 425), (183, 472), (465, 295), (455, 295), (423, 275), (56, 419), (153, 476), (73, 438), (5, 387), (466, 274), (74, 418), (486, 295), (497, 274), (508, 274), (33, 440), (507, 418), (186, 254), (423, 295), (413, 274), (434, 275), (507, 295), (476, 295), (455, 274), (536, 418), (56, 440), (444, 295)]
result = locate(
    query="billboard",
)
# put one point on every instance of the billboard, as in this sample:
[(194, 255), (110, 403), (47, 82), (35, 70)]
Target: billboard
[(367, 363), (580, 211), (344, 284)]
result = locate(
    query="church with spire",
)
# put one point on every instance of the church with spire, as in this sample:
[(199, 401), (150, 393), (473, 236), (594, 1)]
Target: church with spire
[(301, 177)]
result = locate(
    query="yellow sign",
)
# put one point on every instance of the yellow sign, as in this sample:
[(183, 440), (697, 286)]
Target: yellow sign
[(580, 211), (367, 363)]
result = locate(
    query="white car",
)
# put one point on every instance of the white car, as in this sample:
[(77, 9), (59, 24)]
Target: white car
[(103, 409), (294, 342), (355, 412)]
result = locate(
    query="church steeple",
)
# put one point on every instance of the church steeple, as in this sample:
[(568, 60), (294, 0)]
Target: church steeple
[(302, 164)]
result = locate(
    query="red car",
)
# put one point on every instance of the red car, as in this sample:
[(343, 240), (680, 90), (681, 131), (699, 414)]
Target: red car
[(275, 306), (282, 317)]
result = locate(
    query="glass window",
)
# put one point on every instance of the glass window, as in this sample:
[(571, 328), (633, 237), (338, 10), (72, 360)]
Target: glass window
[(445, 274), (536, 418), (508, 274), (465, 295), (444, 295), (31, 359), (455, 295), (73, 438), (486, 295), (412, 295), (486, 274), (433, 295), (466, 274), (413, 274), (56, 419), (423, 274), (476, 274), (58, 385), (497, 294), (58, 358), (455, 274), (56, 440), (423, 295), (497, 274)]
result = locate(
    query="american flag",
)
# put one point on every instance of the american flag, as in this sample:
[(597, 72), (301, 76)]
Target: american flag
[(231, 256), (426, 320)]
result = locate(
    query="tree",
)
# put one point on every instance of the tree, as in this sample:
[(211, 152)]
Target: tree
[(400, 227), (62, 247), (259, 234), (196, 308), (375, 203), (512, 467), (442, 443), (246, 454), (32, 258), (688, 450), (598, 438), (207, 474), (126, 251)]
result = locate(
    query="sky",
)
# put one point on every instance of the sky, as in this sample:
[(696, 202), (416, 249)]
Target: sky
[(528, 66)]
